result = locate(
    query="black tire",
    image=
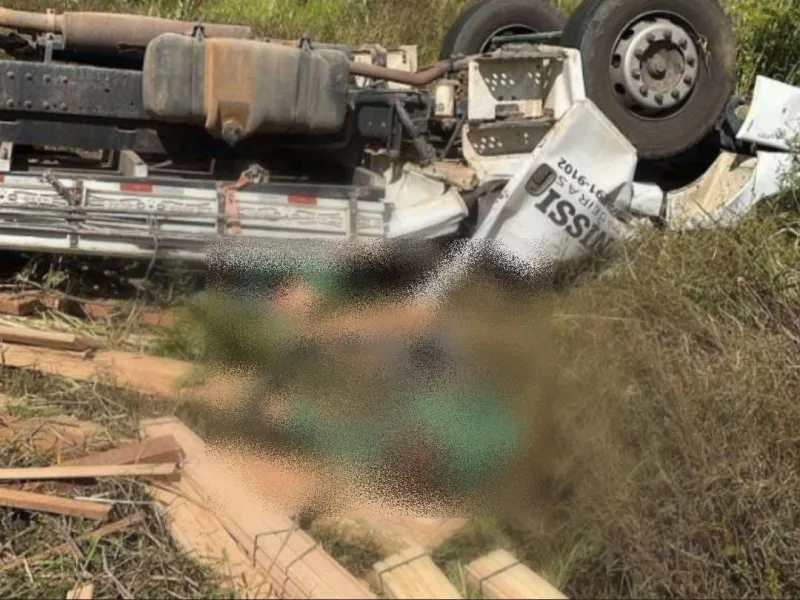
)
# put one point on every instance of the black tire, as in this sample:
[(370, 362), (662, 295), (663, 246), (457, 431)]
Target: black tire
[(594, 30), (573, 28), (473, 29)]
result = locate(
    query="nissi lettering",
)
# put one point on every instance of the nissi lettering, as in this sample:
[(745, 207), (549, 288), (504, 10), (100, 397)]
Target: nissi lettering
[(578, 226)]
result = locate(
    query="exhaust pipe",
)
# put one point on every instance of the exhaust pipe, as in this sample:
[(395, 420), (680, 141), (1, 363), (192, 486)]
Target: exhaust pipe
[(419, 79), (109, 31)]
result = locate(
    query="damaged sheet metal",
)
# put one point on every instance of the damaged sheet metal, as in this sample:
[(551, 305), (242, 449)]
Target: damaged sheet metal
[(561, 205), (773, 120), (513, 102), (736, 183), (422, 205), (729, 190)]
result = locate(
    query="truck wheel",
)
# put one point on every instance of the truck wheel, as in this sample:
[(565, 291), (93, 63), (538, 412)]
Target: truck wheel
[(473, 31), (661, 70)]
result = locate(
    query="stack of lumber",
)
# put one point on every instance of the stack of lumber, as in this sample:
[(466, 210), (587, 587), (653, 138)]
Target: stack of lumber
[(499, 575), (292, 563), (412, 574)]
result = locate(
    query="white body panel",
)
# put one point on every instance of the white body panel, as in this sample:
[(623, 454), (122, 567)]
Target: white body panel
[(774, 117), (571, 215)]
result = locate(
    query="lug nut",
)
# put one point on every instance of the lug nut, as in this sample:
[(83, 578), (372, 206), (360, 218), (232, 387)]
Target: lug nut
[(638, 53), (10, 103), (636, 73), (63, 106), (643, 90), (64, 80), (690, 61), (46, 104), (28, 104), (684, 43), (660, 98), (10, 74), (676, 94), (667, 34), (47, 78), (29, 77), (651, 37), (688, 80)]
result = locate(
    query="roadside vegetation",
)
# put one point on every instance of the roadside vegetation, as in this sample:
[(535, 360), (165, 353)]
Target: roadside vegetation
[(660, 390), (769, 39)]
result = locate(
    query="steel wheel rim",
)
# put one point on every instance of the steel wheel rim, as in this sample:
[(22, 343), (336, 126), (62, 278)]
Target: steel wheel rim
[(654, 66)]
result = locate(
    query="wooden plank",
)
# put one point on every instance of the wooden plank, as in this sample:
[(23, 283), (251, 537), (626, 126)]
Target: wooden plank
[(500, 575), (153, 317), (412, 574), (19, 304), (66, 548), (160, 377), (156, 451), (297, 566), (45, 338), (81, 592), (87, 472), (202, 536), (53, 504)]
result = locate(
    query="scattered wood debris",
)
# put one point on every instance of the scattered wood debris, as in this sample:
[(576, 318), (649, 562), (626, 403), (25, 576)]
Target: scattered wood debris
[(51, 434), (87, 472), (19, 304), (28, 302), (58, 505), (412, 574), (499, 575), (163, 449), (46, 339), (296, 565), (147, 316), (81, 592), (68, 547)]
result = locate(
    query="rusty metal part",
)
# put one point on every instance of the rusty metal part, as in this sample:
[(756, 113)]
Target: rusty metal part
[(30, 21), (104, 31), (418, 79), (253, 87)]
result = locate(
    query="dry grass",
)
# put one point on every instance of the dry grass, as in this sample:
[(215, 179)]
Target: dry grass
[(661, 406), (659, 401), (657, 398), (140, 562)]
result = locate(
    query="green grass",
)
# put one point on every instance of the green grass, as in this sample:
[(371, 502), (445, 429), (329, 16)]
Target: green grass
[(769, 39)]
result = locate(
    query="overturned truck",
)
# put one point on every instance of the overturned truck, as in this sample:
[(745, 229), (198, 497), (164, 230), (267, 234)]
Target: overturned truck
[(132, 136)]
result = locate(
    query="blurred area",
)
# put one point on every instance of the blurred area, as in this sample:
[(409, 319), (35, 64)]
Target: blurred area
[(627, 424), (345, 368)]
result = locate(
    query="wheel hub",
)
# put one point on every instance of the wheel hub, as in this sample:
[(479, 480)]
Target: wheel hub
[(654, 67)]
